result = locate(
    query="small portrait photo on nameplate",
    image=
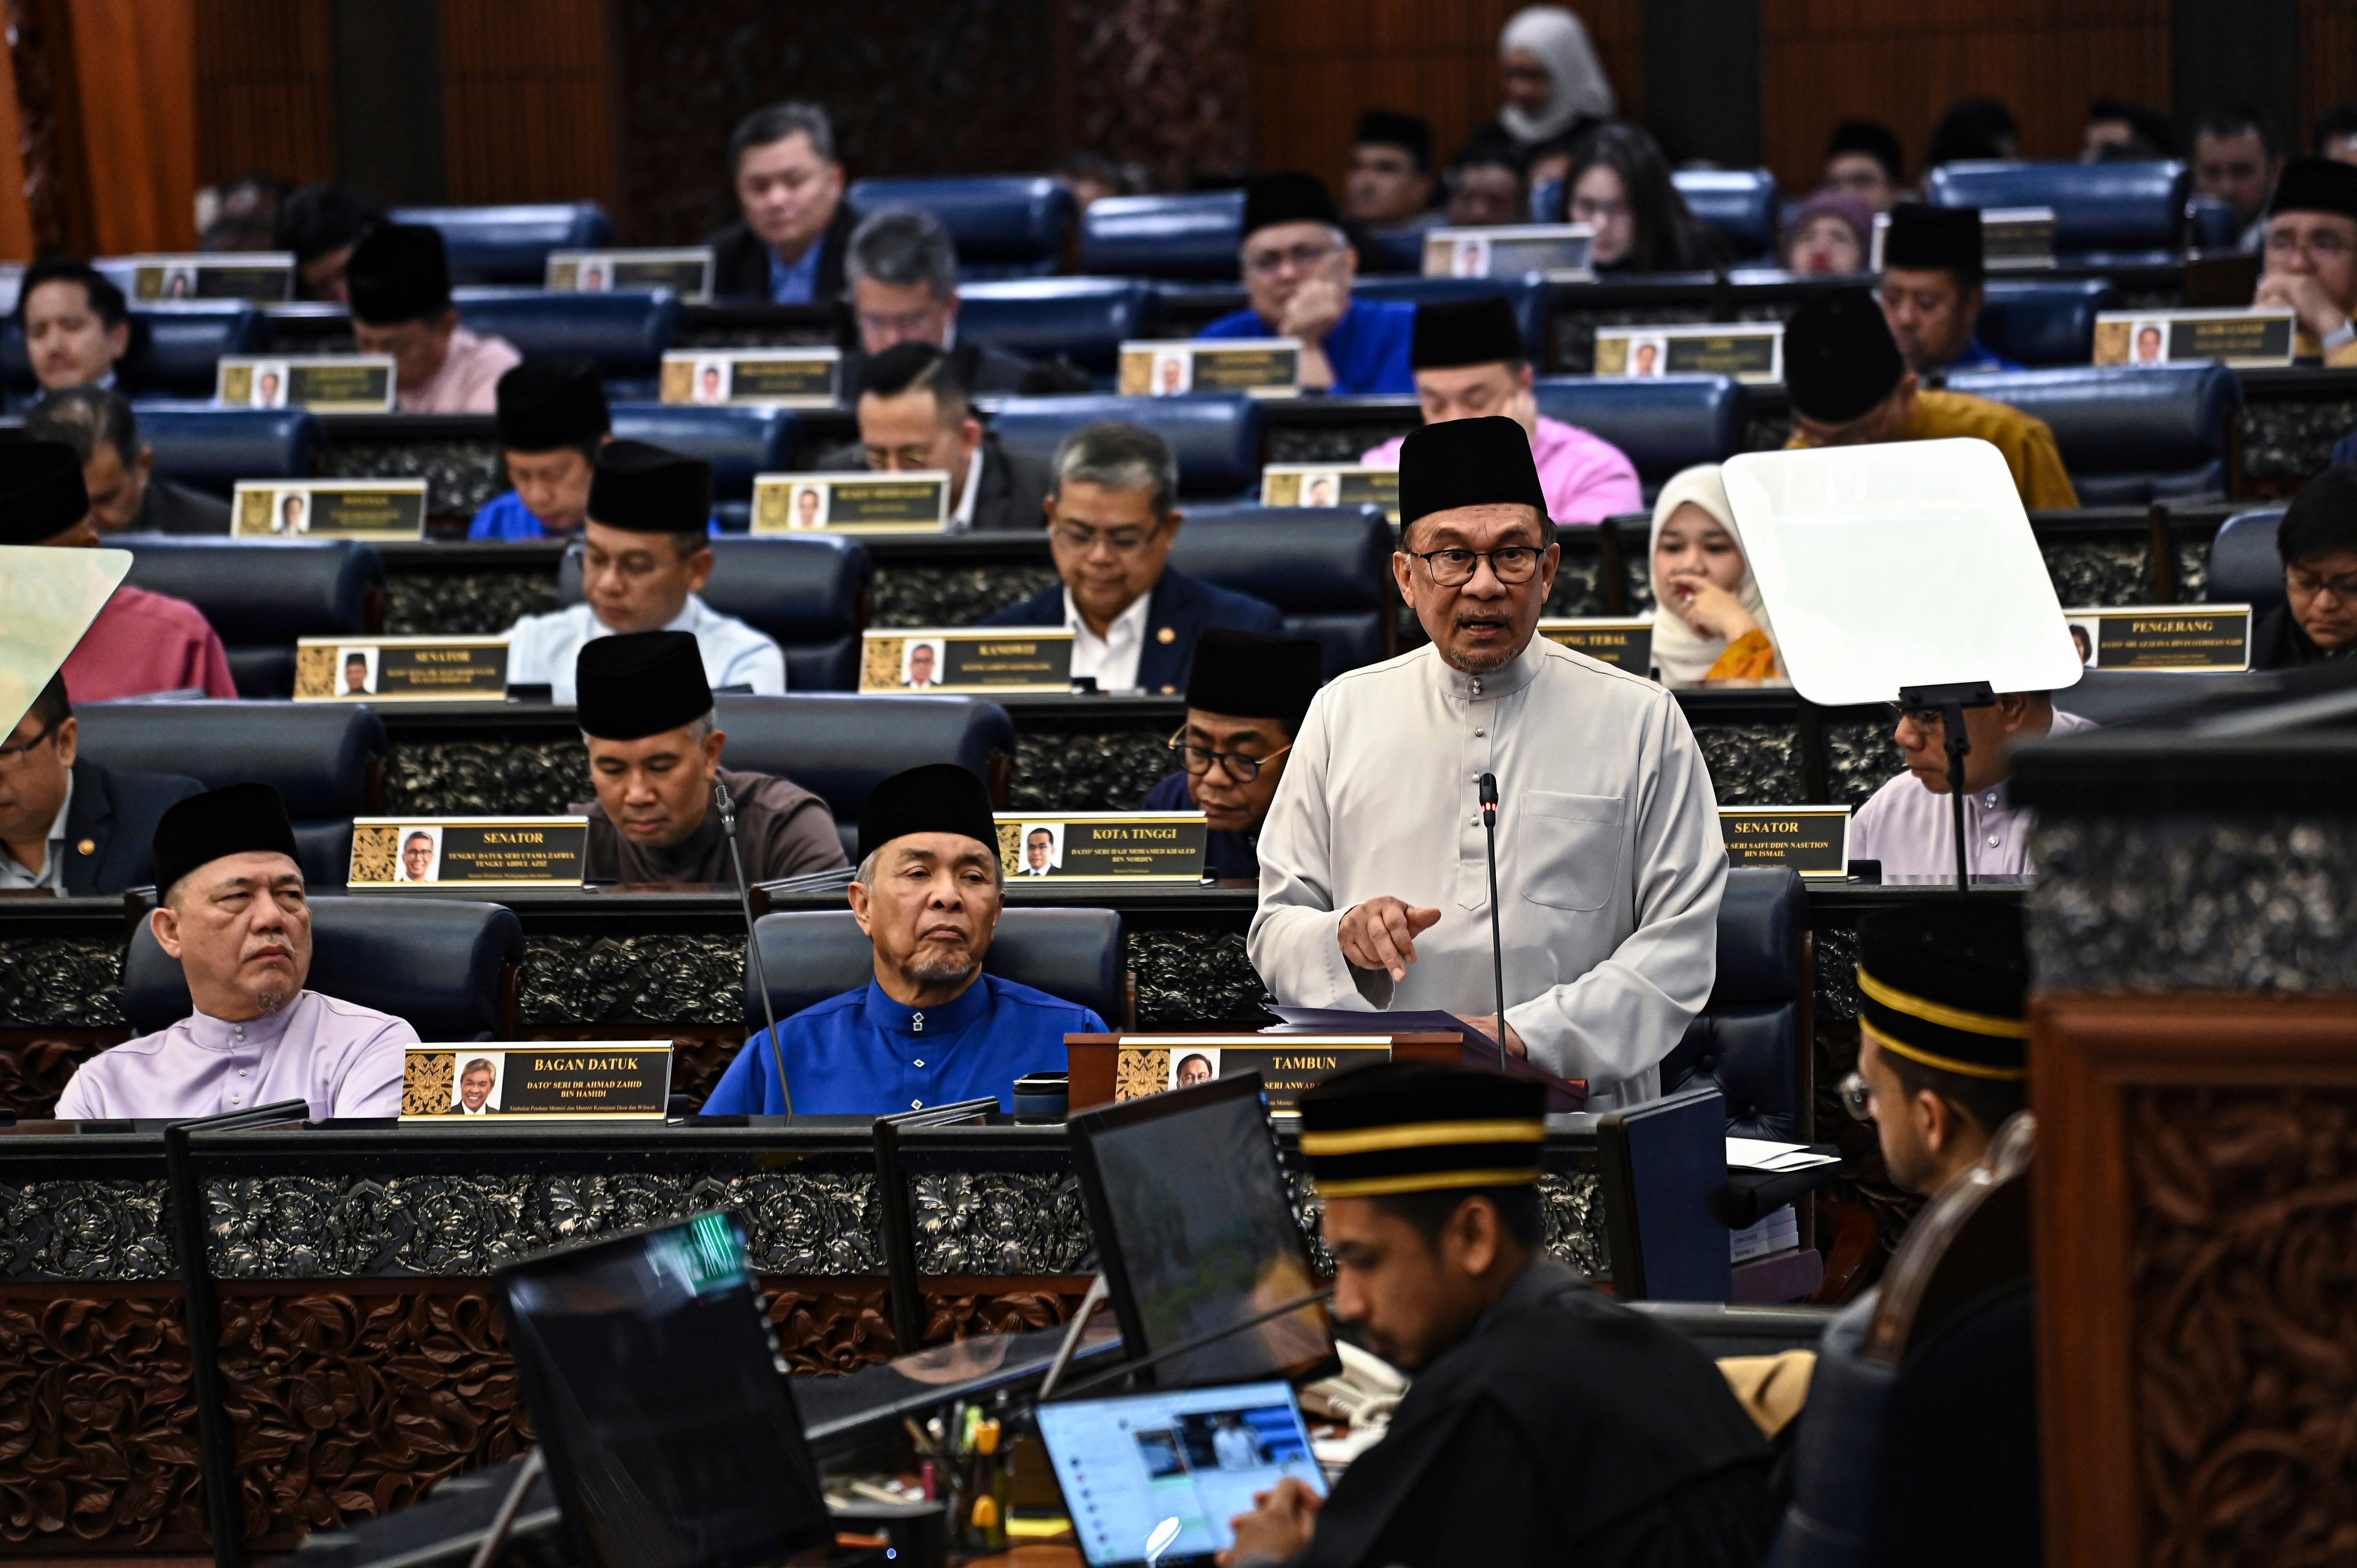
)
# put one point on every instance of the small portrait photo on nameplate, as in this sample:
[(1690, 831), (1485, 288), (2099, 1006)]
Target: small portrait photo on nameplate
[(1625, 642), (2016, 238), (860, 501), (508, 1082), (401, 669), (1331, 484), (1264, 366), (786, 378), (1751, 351), (686, 272), (1812, 840), (1102, 846), (2254, 337), (324, 384), (329, 509), (1560, 251), (966, 658), (263, 276), (1288, 1065), (473, 852), (2215, 638)]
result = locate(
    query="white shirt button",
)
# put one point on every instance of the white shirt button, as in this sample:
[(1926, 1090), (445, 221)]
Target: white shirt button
[(1989, 799), (1480, 735), (917, 1022), (920, 1061), (1993, 841), (916, 1105), (1474, 822)]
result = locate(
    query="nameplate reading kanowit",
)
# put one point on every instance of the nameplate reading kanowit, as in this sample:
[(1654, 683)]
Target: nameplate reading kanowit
[(2215, 638), (1751, 351), (1812, 840), (401, 669), (1101, 846), (261, 276), (1149, 1064), (329, 509), (1264, 367), (1331, 484), (469, 852), (686, 272), (324, 384), (966, 658), (1625, 642), (2250, 338), (785, 378), (857, 502), (484, 1086), (1558, 250)]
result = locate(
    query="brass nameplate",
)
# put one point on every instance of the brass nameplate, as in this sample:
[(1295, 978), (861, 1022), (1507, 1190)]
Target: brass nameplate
[(2255, 337), (329, 509), (861, 502), (1625, 642), (2016, 237), (1289, 1064), (401, 669), (263, 276), (1558, 250), (1331, 484), (1264, 367), (967, 659), (1751, 351), (686, 272), (476, 851), (1102, 846), (794, 378), (1812, 840), (324, 384), (2215, 637), (568, 1081)]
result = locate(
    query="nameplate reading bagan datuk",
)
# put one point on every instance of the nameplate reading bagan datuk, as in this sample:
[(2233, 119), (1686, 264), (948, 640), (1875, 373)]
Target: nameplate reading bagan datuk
[(480, 1087), (857, 502), (401, 669), (472, 852), (1102, 846), (2251, 338), (1751, 351), (789, 378), (1331, 484), (2209, 638), (966, 658), (324, 384), (1264, 366), (1149, 1064), (686, 272), (1812, 840), (1625, 642), (1558, 250), (329, 509), (260, 275)]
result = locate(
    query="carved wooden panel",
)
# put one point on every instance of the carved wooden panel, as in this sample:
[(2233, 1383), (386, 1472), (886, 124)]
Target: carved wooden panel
[(1166, 83)]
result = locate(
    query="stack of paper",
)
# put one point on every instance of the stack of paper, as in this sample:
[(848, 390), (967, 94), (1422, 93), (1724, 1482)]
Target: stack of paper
[(1777, 1232), (1764, 1154)]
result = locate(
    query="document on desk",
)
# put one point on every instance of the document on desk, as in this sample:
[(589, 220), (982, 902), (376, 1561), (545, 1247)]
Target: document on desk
[(1765, 1155)]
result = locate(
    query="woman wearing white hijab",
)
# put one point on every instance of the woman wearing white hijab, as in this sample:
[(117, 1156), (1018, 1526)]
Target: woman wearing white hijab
[(1555, 83), (1709, 621)]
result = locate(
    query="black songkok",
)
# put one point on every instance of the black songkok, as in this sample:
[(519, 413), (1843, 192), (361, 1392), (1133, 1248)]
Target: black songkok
[(1251, 675), (244, 819), (1839, 356), (1467, 462), (1946, 985), (41, 493), (548, 403), (2316, 185), (638, 683), (1389, 128), (1290, 197), (1922, 235), (399, 272), (1453, 332), (646, 489), (939, 798), (1877, 141), (1420, 1127)]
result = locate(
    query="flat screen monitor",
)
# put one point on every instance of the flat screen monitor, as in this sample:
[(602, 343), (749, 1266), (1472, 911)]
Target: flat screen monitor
[(661, 1402)]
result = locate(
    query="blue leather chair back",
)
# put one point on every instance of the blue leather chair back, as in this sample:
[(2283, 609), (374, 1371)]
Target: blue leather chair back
[(739, 443), (1747, 1042), (1663, 426), (1074, 954), (2044, 321), (2212, 225), (2127, 435), (1216, 435), (2097, 207), (210, 448), (624, 333), (2245, 568), (1740, 203), (437, 963), (1197, 236), (839, 746), (1005, 226), (1084, 318), (261, 595), (326, 758), (1327, 569), (510, 244), (173, 347), (810, 594), (1532, 298)]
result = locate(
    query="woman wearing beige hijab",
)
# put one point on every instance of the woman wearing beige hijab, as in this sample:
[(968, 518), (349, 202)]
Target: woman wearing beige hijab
[(1709, 622)]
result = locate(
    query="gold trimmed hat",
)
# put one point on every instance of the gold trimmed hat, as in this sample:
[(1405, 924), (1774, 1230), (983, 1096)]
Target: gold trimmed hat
[(1947, 986), (1416, 1127)]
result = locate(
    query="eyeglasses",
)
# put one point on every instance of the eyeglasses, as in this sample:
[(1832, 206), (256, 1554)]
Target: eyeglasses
[(1922, 718), (1595, 209), (1300, 258), (2302, 581), (2322, 247), (1120, 541), (1857, 1096), (10, 755), (1510, 564), (1198, 761)]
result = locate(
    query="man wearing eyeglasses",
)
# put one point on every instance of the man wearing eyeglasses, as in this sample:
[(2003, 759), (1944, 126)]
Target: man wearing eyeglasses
[(69, 824), (1245, 702), (1298, 267), (2317, 622), (1374, 884), (2312, 255), (1909, 824)]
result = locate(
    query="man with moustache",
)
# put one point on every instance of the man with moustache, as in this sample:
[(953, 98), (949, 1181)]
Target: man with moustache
[(1245, 697)]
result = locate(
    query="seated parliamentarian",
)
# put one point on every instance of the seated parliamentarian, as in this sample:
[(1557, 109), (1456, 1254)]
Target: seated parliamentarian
[(76, 323), (930, 1028), (787, 246), (399, 281), (1850, 387), (2310, 253), (1934, 284), (903, 272), (1709, 620), (2318, 540), (1112, 519), (234, 915), (1909, 824), (320, 224), (1298, 267), (141, 642), (646, 716), (646, 550), (67, 823), (1469, 361), (1246, 698), (118, 469), (1390, 189), (914, 414), (552, 419)]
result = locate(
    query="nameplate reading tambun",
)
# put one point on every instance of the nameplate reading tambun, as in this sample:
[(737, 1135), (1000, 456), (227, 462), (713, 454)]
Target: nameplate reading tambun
[(686, 272), (324, 384), (1625, 642), (785, 378), (1264, 367), (2209, 639), (913, 660), (1812, 840), (263, 276), (1149, 1064), (2251, 338), (1560, 251), (401, 669), (859, 502), (328, 508), (1751, 351), (469, 852), (1101, 846), (485, 1086), (1331, 484)]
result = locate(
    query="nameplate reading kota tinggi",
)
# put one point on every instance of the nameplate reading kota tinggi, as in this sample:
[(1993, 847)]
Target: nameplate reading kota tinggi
[(1102, 846)]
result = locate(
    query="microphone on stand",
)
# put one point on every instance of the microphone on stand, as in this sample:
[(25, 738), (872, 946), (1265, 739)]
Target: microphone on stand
[(1496, 946), (727, 808)]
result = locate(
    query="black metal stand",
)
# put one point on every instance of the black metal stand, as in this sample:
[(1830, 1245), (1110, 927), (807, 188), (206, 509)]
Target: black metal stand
[(728, 810), (1951, 701), (1496, 946)]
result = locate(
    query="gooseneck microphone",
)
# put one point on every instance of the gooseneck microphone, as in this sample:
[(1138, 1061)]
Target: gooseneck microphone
[(1496, 946), (726, 806)]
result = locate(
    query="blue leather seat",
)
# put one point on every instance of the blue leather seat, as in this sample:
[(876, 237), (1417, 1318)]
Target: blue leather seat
[(1327, 569), (1740, 203), (447, 965), (211, 448), (739, 443), (1216, 435), (624, 333), (2127, 436), (1084, 319), (1663, 426), (1076, 955), (2245, 568), (810, 594), (2108, 209), (173, 347), (510, 244), (839, 746), (1532, 298), (261, 595), (2044, 321), (326, 758), (1005, 226), (1748, 1042), (2212, 224), (1195, 237)]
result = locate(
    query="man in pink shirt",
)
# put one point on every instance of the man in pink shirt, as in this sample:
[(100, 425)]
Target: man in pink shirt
[(1469, 359), (141, 642), (399, 277)]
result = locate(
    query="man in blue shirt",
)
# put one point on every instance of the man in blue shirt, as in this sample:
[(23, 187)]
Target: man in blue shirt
[(1245, 699), (788, 245), (1298, 267), (553, 418), (1931, 288), (930, 1028)]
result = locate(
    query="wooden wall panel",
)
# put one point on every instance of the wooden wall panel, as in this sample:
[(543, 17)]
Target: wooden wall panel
[(16, 244), (265, 90), (2328, 60), (525, 100), (135, 80)]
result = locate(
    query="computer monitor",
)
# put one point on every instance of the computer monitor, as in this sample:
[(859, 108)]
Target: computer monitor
[(1196, 1232), (661, 1402)]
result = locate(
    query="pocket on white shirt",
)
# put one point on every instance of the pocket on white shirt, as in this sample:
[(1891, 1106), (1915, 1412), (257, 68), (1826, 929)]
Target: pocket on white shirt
[(1569, 846)]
